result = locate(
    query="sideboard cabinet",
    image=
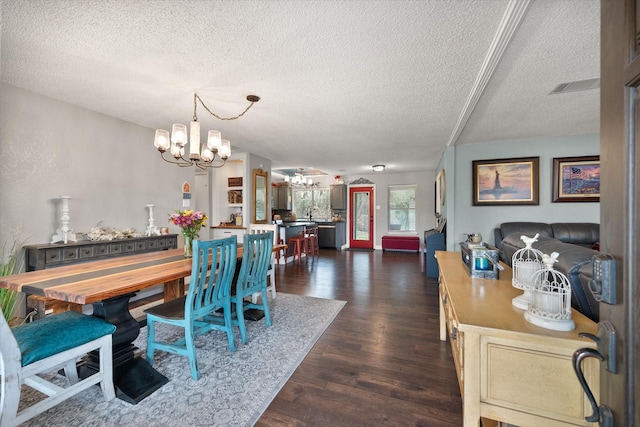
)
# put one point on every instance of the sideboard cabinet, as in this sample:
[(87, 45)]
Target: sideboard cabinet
[(39, 257), (508, 369)]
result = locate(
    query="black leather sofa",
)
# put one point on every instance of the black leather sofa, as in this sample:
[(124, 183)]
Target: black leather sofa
[(576, 244)]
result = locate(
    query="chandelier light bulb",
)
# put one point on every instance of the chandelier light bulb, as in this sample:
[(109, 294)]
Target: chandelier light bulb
[(206, 154), (179, 134), (225, 149), (214, 141), (161, 140)]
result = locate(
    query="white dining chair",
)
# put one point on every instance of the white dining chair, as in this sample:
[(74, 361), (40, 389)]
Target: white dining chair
[(271, 273), (44, 346)]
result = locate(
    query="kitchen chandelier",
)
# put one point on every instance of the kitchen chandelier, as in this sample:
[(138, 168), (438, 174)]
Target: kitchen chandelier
[(213, 154), (299, 180)]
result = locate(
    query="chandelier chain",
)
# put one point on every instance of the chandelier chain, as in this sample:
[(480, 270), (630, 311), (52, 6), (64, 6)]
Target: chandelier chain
[(197, 98)]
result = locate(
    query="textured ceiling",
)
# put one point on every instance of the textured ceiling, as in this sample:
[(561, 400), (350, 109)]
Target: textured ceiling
[(343, 84)]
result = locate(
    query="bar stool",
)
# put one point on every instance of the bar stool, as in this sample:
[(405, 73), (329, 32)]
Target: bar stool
[(281, 252), (298, 245), (312, 241)]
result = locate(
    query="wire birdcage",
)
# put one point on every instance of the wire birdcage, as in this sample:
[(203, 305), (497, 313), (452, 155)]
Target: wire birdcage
[(525, 263), (550, 305)]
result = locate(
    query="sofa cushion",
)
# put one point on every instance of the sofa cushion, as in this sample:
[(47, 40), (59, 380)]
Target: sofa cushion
[(579, 233), (513, 242), (526, 228)]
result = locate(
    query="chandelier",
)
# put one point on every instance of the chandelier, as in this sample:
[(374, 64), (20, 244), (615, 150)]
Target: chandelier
[(298, 180), (213, 154)]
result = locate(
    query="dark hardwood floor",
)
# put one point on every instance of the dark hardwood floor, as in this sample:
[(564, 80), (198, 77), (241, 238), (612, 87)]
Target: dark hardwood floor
[(380, 362)]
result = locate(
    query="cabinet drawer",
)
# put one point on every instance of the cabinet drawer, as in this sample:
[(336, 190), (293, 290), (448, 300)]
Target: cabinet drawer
[(552, 389), (223, 234), (128, 247), (53, 256), (87, 252), (102, 250), (115, 248)]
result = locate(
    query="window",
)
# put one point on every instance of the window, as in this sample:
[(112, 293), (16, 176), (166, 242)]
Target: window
[(402, 208), (313, 202)]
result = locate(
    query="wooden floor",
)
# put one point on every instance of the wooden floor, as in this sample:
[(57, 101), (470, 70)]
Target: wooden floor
[(380, 362)]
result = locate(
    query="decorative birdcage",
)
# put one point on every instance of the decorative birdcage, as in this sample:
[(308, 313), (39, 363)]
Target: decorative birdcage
[(525, 263), (550, 305)]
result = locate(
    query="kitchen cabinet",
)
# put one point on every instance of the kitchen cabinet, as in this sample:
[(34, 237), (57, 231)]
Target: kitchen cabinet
[(332, 235), (338, 197), (224, 232), (281, 198)]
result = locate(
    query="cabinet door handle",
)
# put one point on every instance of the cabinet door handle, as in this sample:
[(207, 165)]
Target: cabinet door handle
[(578, 357)]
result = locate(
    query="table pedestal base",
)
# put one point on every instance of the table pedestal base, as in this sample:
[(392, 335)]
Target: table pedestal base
[(136, 379), (133, 377)]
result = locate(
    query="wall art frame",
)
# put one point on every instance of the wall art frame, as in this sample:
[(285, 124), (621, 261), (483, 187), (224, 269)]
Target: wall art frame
[(501, 182), (576, 179)]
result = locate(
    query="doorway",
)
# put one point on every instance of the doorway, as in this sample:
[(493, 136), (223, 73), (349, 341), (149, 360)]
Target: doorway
[(361, 228)]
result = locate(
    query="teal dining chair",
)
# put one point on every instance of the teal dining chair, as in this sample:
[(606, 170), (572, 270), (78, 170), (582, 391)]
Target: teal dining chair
[(212, 270), (252, 278), (46, 345)]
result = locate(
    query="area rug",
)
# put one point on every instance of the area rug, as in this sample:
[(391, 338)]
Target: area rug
[(234, 389)]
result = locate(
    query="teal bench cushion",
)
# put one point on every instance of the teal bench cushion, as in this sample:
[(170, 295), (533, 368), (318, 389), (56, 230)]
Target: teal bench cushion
[(57, 333)]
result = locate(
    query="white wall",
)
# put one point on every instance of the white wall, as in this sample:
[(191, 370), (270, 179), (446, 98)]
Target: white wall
[(463, 217), (108, 166)]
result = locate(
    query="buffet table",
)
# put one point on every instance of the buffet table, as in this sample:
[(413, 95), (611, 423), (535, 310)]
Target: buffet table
[(508, 369)]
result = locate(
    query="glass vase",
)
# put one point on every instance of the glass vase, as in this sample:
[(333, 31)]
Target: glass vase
[(188, 246)]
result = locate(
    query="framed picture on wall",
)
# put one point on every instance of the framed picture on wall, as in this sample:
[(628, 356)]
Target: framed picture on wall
[(576, 179), (506, 181)]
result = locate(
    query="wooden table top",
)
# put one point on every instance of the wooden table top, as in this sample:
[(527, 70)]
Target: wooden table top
[(89, 282)]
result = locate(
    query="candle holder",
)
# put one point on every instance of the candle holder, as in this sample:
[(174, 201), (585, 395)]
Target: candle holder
[(550, 305), (64, 234), (525, 263), (152, 230)]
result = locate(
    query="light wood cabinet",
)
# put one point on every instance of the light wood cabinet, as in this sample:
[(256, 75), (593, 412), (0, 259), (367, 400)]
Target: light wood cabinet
[(224, 232), (509, 369)]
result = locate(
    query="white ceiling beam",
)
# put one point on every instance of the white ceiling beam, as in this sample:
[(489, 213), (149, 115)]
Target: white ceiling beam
[(513, 16)]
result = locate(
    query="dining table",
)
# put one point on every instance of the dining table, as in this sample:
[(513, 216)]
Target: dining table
[(108, 286)]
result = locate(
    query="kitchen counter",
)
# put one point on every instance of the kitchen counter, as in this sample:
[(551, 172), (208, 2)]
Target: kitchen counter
[(287, 224), (235, 227)]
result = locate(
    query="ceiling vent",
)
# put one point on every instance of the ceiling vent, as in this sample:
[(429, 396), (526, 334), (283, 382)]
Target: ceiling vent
[(576, 86)]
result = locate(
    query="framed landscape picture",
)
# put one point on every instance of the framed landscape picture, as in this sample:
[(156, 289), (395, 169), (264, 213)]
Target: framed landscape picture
[(506, 181), (576, 179)]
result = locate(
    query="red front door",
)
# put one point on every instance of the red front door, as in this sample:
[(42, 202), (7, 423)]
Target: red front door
[(361, 217)]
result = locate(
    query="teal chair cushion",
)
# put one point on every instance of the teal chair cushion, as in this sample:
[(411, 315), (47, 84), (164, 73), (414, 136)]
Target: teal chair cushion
[(57, 333)]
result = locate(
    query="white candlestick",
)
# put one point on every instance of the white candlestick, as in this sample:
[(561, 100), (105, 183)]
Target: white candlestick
[(64, 234), (152, 230)]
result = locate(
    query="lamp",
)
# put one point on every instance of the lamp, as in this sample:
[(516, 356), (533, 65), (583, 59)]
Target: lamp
[(525, 262), (213, 154), (378, 168), (550, 305)]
